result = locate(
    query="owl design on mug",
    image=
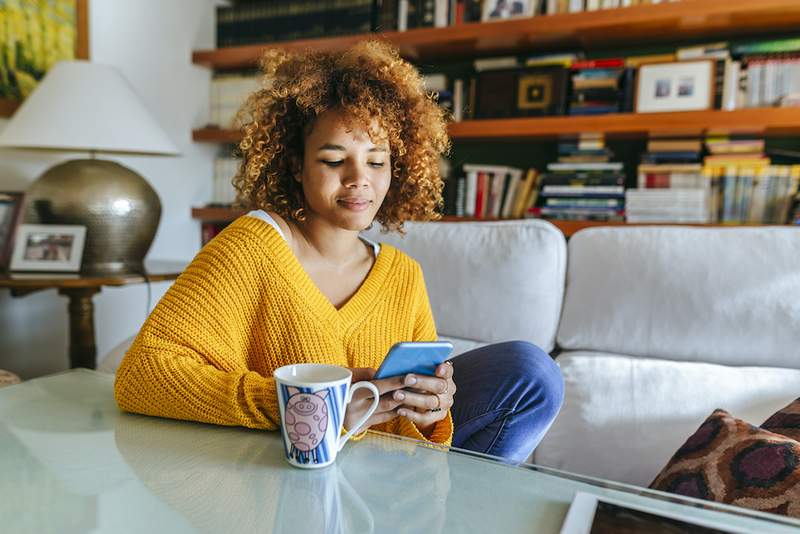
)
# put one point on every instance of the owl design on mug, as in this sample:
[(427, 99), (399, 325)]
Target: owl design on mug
[(306, 420)]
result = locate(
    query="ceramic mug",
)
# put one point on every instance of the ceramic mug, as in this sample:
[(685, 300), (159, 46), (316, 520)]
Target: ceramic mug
[(313, 398)]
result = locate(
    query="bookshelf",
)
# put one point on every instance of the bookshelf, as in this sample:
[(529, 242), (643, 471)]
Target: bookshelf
[(678, 23), (753, 121), (657, 23)]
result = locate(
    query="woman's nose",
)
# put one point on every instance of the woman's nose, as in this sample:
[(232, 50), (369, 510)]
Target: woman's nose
[(355, 176)]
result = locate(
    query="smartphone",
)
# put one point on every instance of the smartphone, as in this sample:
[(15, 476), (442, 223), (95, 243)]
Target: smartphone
[(419, 357)]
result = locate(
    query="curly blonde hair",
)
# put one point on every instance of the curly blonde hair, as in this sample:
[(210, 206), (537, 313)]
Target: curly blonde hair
[(367, 82)]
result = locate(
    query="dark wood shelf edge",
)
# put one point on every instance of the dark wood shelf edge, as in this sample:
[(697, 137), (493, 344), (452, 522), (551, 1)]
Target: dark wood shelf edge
[(769, 122), (224, 215)]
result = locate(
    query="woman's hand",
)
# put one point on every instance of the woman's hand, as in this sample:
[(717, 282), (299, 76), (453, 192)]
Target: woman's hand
[(362, 399), (429, 398)]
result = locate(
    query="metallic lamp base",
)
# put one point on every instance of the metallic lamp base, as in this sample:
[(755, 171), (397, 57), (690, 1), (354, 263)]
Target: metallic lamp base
[(118, 207)]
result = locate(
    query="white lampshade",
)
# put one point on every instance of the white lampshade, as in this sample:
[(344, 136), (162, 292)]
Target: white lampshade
[(84, 106)]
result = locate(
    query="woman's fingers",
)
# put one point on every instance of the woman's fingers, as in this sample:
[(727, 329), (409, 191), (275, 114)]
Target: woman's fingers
[(384, 386), (431, 384), (445, 370), (424, 401), (421, 419), (382, 417)]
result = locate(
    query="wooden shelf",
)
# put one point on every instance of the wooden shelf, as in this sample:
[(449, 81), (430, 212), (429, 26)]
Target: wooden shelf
[(755, 121), (646, 24), (216, 135), (216, 214), (221, 215)]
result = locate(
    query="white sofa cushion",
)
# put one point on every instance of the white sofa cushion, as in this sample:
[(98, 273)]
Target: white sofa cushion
[(490, 281), (460, 346), (624, 417), (721, 295)]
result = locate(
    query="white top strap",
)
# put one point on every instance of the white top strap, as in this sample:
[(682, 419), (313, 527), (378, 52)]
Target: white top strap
[(264, 216)]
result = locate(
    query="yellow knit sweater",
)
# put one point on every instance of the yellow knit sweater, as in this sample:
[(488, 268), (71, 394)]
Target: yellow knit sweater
[(244, 307)]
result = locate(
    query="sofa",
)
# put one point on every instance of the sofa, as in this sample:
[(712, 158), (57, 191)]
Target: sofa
[(653, 327)]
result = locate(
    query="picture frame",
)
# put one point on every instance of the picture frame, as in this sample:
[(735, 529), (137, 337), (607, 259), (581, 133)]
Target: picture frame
[(69, 21), (675, 86), (494, 10), (10, 216), (541, 91), (48, 248), (521, 92)]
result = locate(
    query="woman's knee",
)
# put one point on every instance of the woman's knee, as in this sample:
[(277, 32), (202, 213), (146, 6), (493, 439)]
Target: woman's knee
[(534, 366)]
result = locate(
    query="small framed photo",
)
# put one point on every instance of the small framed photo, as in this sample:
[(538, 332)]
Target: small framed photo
[(48, 247), (10, 215), (507, 9), (677, 86)]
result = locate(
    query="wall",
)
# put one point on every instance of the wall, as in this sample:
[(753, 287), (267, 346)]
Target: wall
[(151, 42)]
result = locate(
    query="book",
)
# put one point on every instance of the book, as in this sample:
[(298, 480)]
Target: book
[(607, 166)]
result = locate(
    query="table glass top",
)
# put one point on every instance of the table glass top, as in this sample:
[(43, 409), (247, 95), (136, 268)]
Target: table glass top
[(72, 462)]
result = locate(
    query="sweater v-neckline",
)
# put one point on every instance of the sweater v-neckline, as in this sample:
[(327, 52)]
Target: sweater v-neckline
[(356, 305)]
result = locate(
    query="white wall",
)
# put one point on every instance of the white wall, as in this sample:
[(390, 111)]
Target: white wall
[(151, 42)]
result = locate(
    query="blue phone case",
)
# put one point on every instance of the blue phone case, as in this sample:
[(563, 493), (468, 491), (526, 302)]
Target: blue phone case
[(414, 357)]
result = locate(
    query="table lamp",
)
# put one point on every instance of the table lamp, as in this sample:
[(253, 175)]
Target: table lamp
[(83, 106)]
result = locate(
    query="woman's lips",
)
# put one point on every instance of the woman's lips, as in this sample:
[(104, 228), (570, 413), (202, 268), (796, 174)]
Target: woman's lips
[(360, 204)]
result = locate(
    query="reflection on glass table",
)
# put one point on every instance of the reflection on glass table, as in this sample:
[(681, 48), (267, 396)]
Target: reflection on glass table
[(72, 462)]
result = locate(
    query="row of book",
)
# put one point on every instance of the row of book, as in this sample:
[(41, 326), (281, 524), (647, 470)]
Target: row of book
[(267, 21), (729, 194), (262, 21), (222, 191), (490, 191), (228, 92)]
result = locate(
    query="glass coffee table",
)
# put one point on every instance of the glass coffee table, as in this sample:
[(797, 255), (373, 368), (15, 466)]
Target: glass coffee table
[(70, 461)]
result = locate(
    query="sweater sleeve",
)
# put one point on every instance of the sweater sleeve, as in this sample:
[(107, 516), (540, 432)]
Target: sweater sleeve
[(188, 361), (424, 330)]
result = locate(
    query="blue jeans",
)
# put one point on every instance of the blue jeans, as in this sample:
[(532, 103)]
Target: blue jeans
[(507, 396)]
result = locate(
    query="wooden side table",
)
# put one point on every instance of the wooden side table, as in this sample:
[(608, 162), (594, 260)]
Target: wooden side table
[(79, 289)]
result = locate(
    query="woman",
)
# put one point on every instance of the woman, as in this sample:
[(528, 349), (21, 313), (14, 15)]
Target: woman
[(335, 142)]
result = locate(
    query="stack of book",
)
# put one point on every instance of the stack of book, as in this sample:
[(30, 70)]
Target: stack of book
[(772, 72), (575, 6), (746, 187), (671, 186), (228, 92), (601, 86), (264, 21), (583, 185), (490, 191)]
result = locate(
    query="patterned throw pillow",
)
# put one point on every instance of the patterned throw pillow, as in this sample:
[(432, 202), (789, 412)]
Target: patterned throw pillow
[(786, 421), (730, 461)]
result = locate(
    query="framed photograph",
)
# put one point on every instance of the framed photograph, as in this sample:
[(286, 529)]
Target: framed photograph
[(48, 247), (10, 215), (43, 33), (677, 86), (507, 9)]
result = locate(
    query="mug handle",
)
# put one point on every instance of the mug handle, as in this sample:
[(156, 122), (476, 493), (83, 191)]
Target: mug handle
[(376, 398)]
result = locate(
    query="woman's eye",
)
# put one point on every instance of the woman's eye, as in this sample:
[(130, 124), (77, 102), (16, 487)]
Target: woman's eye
[(333, 163), (376, 164)]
